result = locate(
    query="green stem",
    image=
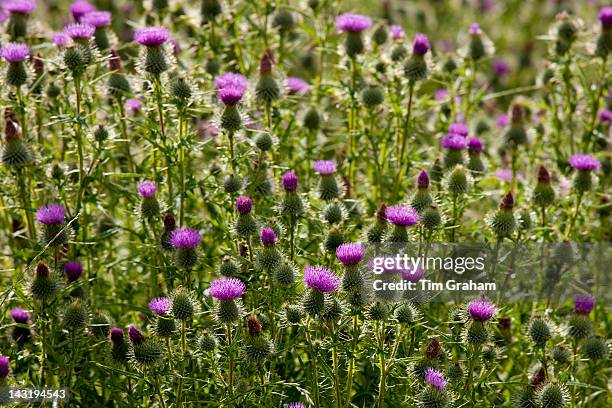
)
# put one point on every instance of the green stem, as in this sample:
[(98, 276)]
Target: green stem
[(182, 168), (351, 368), (315, 370), (402, 147)]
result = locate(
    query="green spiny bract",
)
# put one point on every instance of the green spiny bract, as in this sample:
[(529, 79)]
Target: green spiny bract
[(311, 119), (352, 279), (284, 274), (595, 348), (539, 332), (184, 305), (552, 395), (372, 96), (100, 325), (333, 213), (293, 314), (148, 353), (431, 397), (155, 60), (476, 333), (165, 326), (377, 311), (415, 68), (313, 302), (268, 258), (332, 311), (232, 184), (292, 205), (228, 311), (55, 235), (207, 342), (267, 89), (16, 154), (580, 327), (228, 267), (405, 313), (583, 181), (231, 120), (44, 284), (333, 239), (453, 158), (16, 74), (353, 44), (75, 316), (149, 208), (431, 218), (245, 225), (264, 141), (421, 200), (457, 182), (180, 90), (328, 188), (561, 355), (186, 258)]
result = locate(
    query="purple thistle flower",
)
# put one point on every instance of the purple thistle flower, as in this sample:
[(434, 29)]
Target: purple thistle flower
[(136, 336), (324, 167), (160, 306), (605, 17), (584, 304), (441, 94), (475, 29), (500, 67), (294, 405), (481, 310), (20, 315), (436, 379), (402, 215), (244, 205), (423, 179), (73, 270), (397, 32), (267, 236), (321, 279), (50, 214), (81, 7), (152, 36), (297, 85), (231, 95), (460, 129), (97, 18), (5, 368), (584, 162), (78, 31), (350, 253), (19, 6), (355, 23), (454, 142), (475, 145), (133, 105), (289, 181), (185, 238), (225, 289), (4, 15), (231, 79), (420, 46), (116, 335), (605, 116), (412, 274), (15, 52), (502, 121), (60, 39), (147, 189)]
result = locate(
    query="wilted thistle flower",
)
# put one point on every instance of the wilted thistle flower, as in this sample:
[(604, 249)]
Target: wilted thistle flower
[(296, 86), (169, 226), (552, 395), (20, 316), (153, 38), (604, 41), (543, 193), (516, 134), (267, 89), (55, 232), (5, 367), (79, 8), (15, 54), (566, 31), (185, 241), (75, 316), (73, 270), (402, 217), (422, 198), (19, 11), (539, 332), (292, 204), (15, 153), (320, 281), (377, 231), (144, 351), (257, 347), (100, 20), (149, 206), (245, 225), (268, 257), (503, 222), (475, 163), (415, 67), (119, 351), (353, 25), (328, 186), (226, 291), (584, 164)]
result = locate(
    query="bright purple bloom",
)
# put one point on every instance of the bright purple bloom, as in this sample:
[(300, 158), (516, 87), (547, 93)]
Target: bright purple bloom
[(289, 181), (50, 214), (500, 67), (324, 167), (350, 253), (160, 306), (225, 289), (78, 31), (244, 205), (454, 142), (297, 85), (73, 270), (231, 95), (402, 215), (20, 315), (5, 368), (81, 7), (97, 18), (412, 274), (481, 310), (19, 6), (185, 238), (116, 335), (147, 189), (397, 32), (605, 116), (133, 105), (475, 29), (436, 379), (475, 145), (584, 162), (267, 236), (423, 179), (584, 304), (231, 79), (15, 52), (460, 129), (355, 23), (441, 94), (321, 279), (152, 36), (4, 15), (502, 121), (136, 336), (420, 46), (60, 39), (605, 17)]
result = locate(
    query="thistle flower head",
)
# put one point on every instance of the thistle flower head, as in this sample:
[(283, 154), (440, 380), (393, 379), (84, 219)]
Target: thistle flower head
[(423, 179), (436, 379), (15, 52), (402, 215), (81, 7), (397, 32), (50, 214), (458, 128), (441, 94), (79, 31), (20, 315), (160, 306), (324, 167), (475, 145), (73, 270), (60, 39), (297, 85), (266, 61), (152, 36), (19, 6), (321, 279), (147, 189), (97, 19), (225, 289), (605, 17), (244, 204), (5, 368), (500, 67), (254, 327), (454, 142), (475, 29), (355, 23), (350, 253), (169, 221), (185, 238), (231, 95), (420, 45), (133, 105), (231, 79), (116, 335), (481, 310), (267, 236), (289, 181), (584, 304), (605, 116), (136, 336), (502, 121), (42, 270), (584, 162)]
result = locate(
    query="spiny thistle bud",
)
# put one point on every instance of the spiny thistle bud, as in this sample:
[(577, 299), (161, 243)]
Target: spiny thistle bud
[(334, 214), (454, 373), (415, 67), (100, 134), (377, 311), (566, 33), (604, 41), (516, 134), (552, 395), (457, 182), (311, 119), (15, 153), (268, 257), (75, 316), (376, 233), (207, 342), (502, 221), (328, 186), (232, 184), (43, 286), (210, 9), (245, 225), (20, 11), (119, 352), (228, 267), (543, 193), (146, 352), (476, 333), (212, 66), (184, 305), (169, 226), (264, 141), (477, 49), (539, 332), (431, 397), (293, 314), (181, 91), (256, 349), (561, 355), (380, 35), (580, 327), (353, 25), (149, 206), (405, 313), (20, 334), (595, 349), (421, 198), (431, 218), (372, 96), (185, 242), (52, 217), (475, 163), (267, 88), (153, 38), (332, 311), (100, 325), (333, 239), (284, 274), (284, 20)]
